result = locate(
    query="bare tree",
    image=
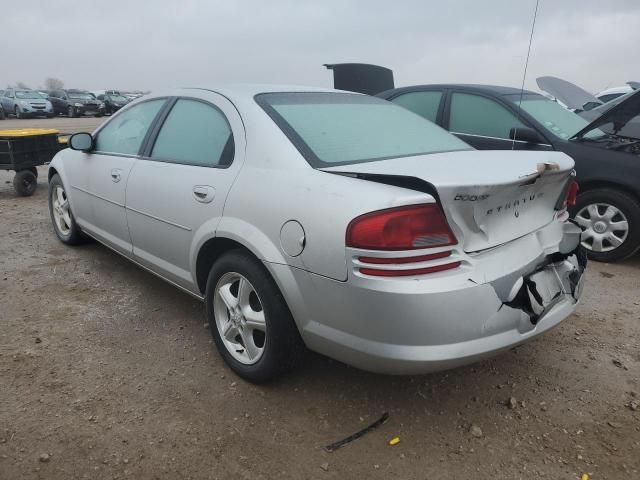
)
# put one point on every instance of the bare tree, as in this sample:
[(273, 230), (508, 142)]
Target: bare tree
[(52, 83), (22, 85)]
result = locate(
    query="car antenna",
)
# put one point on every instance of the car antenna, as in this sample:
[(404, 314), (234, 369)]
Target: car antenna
[(524, 75)]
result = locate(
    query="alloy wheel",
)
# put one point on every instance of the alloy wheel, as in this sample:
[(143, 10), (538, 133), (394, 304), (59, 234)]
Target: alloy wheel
[(61, 214), (240, 318), (604, 227)]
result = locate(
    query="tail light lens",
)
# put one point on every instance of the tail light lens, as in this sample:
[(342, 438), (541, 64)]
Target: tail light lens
[(569, 195), (402, 228)]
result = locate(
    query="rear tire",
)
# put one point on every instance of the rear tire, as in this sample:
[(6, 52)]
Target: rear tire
[(278, 347), (65, 228), (25, 183), (607, 217)]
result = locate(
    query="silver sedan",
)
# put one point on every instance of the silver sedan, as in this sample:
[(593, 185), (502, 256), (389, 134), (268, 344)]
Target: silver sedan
[(331, 220)]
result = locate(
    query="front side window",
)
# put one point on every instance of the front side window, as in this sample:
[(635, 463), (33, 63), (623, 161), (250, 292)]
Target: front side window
[(477, 115), (340, 128), (195, 133), (125, 132), (425, 104)]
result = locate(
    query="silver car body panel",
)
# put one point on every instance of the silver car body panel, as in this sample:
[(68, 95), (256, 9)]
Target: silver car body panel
[(270, 195)]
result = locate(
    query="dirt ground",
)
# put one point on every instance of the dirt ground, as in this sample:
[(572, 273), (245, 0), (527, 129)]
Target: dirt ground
[(106, 372)]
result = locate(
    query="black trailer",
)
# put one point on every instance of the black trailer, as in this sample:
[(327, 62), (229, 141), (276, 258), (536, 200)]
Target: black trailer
[(22, 150)]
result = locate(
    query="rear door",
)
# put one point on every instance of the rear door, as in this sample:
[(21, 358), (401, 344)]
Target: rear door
[(177, 190), (98, 179), (428, 104), (482, 122)]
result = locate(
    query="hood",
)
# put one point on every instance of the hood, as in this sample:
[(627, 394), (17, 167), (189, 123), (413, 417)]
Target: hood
[(361, 77), (569, 94), (618, 116), (511, 195)]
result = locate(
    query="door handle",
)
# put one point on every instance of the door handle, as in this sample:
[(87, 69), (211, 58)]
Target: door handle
[(204, 193), (116, 174)]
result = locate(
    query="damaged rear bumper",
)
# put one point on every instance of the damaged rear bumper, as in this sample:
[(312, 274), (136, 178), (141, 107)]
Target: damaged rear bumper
[(409, 327)]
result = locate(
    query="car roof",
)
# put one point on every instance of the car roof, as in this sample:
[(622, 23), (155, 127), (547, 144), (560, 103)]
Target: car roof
[(498, 90), (249, 89)]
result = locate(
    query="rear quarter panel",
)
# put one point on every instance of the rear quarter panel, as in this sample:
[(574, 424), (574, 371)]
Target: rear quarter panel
[(276, 184)]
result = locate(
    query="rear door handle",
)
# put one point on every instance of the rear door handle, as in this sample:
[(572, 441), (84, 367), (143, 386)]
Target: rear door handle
[(116, 174), (204, 193)]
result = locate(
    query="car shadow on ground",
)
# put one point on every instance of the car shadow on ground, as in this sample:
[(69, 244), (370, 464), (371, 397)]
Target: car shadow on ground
[(318, 377)]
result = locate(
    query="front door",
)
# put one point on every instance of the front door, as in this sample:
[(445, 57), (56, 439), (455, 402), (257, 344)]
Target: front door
[(483, 123), (99, 178), (176, 191)]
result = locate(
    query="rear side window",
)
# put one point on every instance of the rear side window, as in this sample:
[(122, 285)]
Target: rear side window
[(425, 104), (195, 133), (478, 115), (125, 133), (337, 129)]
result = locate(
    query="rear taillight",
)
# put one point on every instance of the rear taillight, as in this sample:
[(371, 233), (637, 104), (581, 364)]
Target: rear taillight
[(569, 195), (400, 229), (572, 195)]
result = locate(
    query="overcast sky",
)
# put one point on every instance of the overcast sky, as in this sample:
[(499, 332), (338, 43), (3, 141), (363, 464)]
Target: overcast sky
[(153, 44)]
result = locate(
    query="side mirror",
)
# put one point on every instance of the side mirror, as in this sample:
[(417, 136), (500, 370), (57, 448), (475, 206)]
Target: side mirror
[(81, 141), (525, 134)]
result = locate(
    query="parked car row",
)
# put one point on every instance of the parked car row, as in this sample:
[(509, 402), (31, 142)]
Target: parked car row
[(23, 103), (605, 148)]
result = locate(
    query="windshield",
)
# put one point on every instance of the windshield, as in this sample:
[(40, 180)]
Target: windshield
[(556, 119), (80, 96), (28, 94), (117, 98), (336, 129)]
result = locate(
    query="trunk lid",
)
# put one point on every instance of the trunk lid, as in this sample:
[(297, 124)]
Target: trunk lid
[(488, 197)]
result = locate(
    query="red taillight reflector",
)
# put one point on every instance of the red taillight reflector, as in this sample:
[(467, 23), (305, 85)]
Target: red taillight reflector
[(572, 194), (402, 228), (569, 195), (408, 273), (401, 260)]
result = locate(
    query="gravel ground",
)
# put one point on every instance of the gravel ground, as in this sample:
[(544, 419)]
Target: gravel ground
[(107, 372)]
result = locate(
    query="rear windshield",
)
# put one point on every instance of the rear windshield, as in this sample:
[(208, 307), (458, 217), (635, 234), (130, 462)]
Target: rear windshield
[(337, 129)]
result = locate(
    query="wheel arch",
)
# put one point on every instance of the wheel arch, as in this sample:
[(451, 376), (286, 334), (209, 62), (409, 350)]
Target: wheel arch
[(612, 185), (209, 252), (52, 171)]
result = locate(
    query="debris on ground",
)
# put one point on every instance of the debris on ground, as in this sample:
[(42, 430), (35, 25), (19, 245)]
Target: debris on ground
[(335, 446)]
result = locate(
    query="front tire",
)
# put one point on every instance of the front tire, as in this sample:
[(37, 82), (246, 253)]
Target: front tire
[(64, 225), (18, 113), (250, 322), (610, 220), (25, 183), (71, 112)]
